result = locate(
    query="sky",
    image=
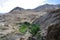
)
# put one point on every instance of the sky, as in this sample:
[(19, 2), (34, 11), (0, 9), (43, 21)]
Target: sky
[(8, 5)]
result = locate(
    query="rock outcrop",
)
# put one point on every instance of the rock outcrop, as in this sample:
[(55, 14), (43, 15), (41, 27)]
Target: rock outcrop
[(53, 32), (50, 24)]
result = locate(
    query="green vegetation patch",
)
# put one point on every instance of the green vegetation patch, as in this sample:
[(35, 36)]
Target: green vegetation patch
[(23, 28), (32, 28)]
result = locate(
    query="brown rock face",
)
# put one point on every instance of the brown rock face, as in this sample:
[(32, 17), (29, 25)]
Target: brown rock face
[(50, 25), (53, 32)]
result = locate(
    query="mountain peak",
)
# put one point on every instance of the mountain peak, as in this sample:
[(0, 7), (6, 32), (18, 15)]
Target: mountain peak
[(47, 7), (17, 8), (46, 4)]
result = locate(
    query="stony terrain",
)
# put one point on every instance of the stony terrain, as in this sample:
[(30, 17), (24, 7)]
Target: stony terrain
[(8, 28), (45, 15), (50, 24)]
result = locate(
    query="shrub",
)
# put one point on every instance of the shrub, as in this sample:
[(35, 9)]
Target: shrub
[(34, 29), (23, 28), (27, 23)]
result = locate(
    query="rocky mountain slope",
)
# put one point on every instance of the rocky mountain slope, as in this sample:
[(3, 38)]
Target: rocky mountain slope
[(50, 24), (8, 28), (45, 15), (47, 8)]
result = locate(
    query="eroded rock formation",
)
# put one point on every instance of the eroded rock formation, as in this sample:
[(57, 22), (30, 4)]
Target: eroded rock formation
[(50, 25), (53, 32)]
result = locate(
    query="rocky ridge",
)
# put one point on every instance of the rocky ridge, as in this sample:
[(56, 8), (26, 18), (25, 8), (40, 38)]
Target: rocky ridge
[(45, 15)]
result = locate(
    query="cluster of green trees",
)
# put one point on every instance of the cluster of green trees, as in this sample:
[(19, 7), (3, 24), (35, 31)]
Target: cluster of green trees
[(32, 28)]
